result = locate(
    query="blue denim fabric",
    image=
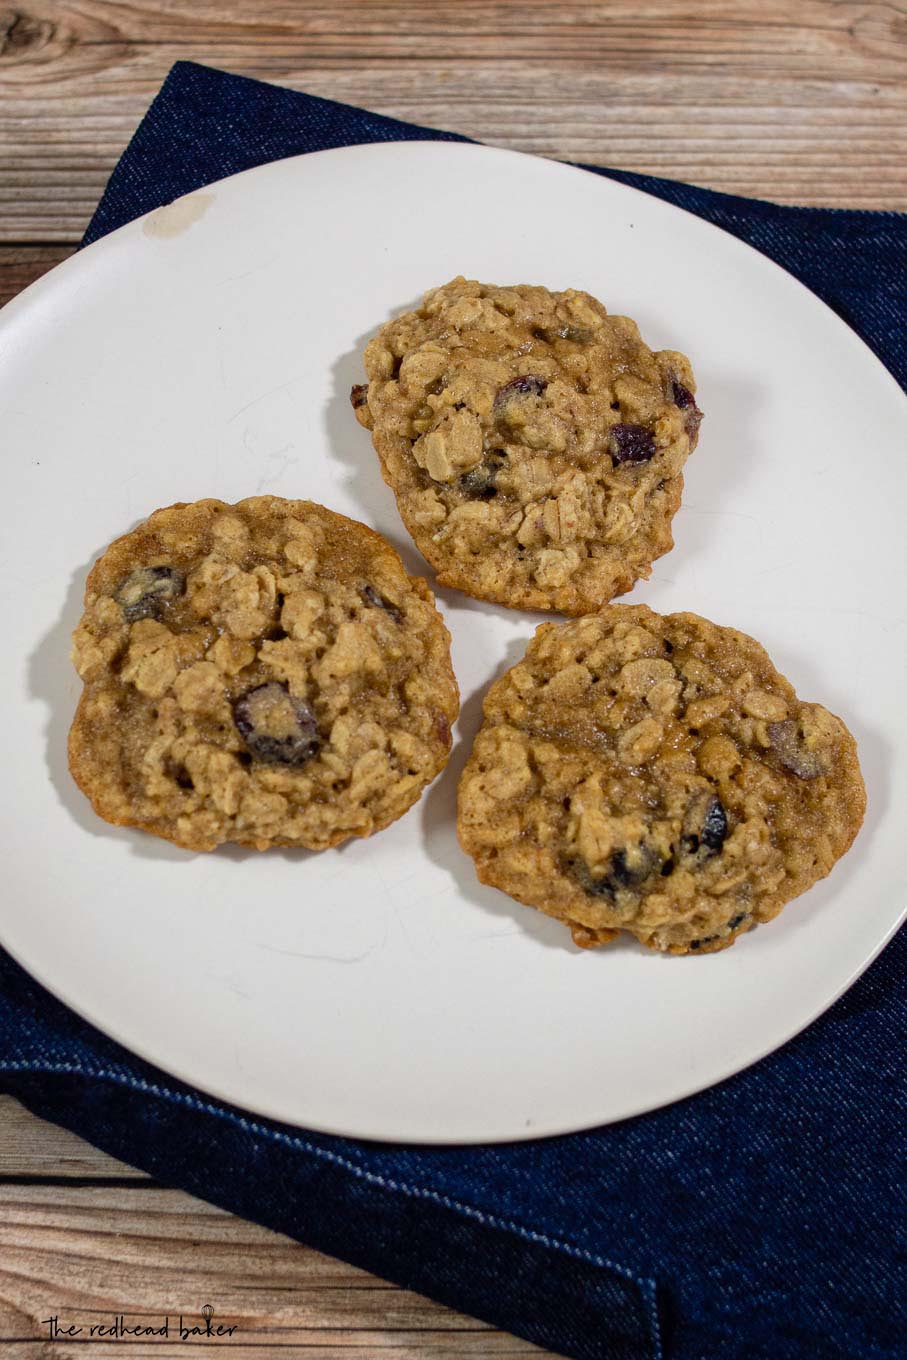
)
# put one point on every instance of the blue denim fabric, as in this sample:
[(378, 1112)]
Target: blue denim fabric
[(759, 1220)]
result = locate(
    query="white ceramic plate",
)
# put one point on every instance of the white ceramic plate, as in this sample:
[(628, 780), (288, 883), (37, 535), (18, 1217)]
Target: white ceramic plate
[(379, 990)]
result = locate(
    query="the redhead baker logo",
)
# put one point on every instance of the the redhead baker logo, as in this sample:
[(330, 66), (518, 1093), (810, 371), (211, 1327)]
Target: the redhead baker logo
[(138, 1327)]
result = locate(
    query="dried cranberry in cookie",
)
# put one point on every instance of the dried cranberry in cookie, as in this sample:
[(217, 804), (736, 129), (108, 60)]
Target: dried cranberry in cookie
[(275, 725), (145, 591), (514, 394), (631, 444), (371, 597)]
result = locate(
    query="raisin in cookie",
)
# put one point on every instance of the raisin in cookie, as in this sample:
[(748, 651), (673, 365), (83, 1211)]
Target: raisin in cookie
[(534, 443), (264, 673), (656, 775)]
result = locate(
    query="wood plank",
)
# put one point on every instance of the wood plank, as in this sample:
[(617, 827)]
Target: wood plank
[(800, 103), (32, 1149), (20, 266), (87, 1254)]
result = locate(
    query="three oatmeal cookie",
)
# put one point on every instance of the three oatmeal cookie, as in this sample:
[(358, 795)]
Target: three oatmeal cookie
[(267, 674), (656, 775), (264, 673), (534, 443)]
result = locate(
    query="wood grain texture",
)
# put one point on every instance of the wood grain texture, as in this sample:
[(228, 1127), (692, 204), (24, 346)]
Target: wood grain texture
[(802, 102), (22, 265), (31, 1149)]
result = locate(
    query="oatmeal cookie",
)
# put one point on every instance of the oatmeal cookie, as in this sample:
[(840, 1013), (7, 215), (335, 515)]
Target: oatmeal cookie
[(656, 775), (534, 443), (264, 673)]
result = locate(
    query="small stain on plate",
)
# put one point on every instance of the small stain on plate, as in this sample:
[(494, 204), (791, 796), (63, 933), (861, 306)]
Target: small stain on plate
[(176, 217)]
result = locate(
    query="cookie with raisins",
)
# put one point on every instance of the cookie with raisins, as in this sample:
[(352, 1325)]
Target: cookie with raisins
[(264, 673), (657, 775), (535, 443)]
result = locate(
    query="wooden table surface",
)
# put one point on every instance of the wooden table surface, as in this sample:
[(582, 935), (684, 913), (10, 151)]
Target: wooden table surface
[(800, 101)]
